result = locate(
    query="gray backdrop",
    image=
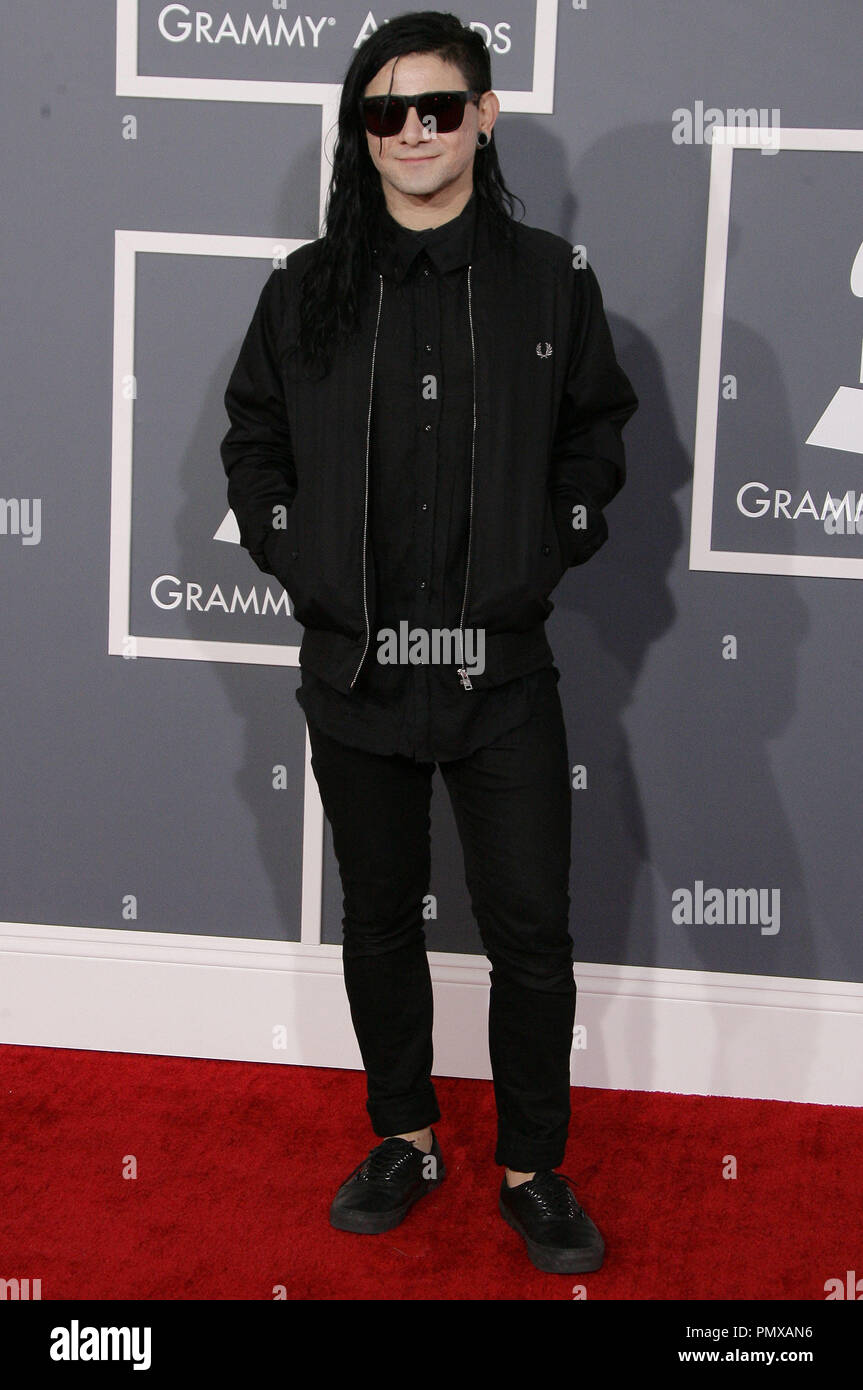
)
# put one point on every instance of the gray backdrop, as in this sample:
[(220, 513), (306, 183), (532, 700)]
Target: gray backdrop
[(154, 777)]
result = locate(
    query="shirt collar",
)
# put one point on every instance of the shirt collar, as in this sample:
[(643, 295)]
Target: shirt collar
[(448, 246)]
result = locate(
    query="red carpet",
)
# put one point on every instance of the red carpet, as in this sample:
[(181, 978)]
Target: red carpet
[(237, 1163)]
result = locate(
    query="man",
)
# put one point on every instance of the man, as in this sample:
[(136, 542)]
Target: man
[(426, 419)]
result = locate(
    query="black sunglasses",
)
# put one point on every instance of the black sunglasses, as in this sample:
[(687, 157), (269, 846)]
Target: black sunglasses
[(386, 115)]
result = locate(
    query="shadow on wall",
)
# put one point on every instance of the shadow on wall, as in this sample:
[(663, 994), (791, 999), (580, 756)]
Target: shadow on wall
[(676, 741)]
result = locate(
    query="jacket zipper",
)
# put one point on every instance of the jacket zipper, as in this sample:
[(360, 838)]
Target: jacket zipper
[(462, 671), (366, 502)]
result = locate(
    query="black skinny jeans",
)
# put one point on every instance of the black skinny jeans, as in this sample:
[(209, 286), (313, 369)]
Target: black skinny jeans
[(512, 806)]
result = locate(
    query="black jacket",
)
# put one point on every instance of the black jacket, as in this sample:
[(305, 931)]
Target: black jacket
[(550, 404)]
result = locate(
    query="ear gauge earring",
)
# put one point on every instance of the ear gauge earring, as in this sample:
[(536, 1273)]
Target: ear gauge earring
[(483, 139)]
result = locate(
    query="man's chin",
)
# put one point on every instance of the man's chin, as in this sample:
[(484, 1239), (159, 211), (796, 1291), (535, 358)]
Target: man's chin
[(420, 182)]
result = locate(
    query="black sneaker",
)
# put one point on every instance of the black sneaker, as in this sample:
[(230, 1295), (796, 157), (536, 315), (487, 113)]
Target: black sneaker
[(381, 1190), (559, 1235)]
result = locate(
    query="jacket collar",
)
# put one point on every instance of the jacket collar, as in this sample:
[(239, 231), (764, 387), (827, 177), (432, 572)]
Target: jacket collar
[(448, 246)]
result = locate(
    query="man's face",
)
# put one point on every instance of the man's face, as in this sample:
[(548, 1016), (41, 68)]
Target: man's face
[(419, 162)]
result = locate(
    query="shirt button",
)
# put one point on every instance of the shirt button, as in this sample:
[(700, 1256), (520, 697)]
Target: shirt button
[(427, 428), (425, 506), (546, 550), (428, 347), (425, 270), (422, 583)]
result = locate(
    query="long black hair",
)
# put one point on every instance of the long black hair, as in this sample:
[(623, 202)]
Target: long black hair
[(333, 284)]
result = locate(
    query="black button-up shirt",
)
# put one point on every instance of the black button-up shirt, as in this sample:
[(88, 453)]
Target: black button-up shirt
[(419, 512)]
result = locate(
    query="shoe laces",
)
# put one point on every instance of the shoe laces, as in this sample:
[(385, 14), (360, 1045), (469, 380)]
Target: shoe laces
[(385, 1160), (553, 1196)]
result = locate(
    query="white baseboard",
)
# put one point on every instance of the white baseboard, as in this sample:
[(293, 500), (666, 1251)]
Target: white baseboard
[(692, 1032)]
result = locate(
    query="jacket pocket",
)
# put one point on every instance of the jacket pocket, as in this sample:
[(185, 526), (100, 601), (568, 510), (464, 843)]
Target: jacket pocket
[(579, 542), (282, 551), (554, 559), (591, 537)]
